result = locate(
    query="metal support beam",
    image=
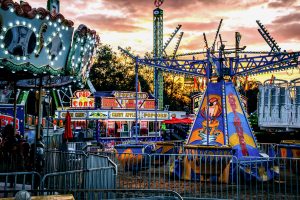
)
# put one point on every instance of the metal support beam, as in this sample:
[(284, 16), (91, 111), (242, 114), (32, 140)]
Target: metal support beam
[(177, 45), (171, 38), (216, 36), (267, 37)]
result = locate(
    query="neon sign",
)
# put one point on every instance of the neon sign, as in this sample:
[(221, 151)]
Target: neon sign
[(82, 99)]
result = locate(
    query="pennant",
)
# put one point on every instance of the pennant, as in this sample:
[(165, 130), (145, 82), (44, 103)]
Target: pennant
[(139, 86), (195, 84), (202, 85), (234, 80), (246, 84), (272, 79)]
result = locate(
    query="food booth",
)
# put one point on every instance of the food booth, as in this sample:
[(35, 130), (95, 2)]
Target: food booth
[(112, 115)]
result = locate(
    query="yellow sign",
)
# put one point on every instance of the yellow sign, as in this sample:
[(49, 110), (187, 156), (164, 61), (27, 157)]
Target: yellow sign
[(152, 115), (129, 95), (122, 115)]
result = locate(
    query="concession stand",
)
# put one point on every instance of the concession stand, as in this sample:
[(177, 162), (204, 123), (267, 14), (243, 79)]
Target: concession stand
[(112, 115)]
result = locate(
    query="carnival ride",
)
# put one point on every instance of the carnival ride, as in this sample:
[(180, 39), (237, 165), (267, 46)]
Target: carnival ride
[(41, 51), (221, 126)]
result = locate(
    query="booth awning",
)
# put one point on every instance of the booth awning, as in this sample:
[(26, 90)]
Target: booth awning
[(175, 120)]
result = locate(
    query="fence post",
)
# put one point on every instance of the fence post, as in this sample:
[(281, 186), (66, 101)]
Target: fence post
[(149, 170)]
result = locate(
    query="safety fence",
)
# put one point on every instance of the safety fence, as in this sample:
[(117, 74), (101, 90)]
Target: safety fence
[(269, 148), (88, 179), (64, 170), (192, 175), (96, 194), (60, 161), (209, 176)]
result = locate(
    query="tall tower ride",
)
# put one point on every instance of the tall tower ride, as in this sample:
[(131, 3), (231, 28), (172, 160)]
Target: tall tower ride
[(157, 53)]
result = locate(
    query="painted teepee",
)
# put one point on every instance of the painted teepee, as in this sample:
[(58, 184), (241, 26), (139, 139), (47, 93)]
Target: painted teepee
[(223, 122)]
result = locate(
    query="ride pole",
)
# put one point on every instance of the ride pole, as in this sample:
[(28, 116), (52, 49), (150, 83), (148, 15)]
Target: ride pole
[(207, 96), (15, 107), (136, 98)]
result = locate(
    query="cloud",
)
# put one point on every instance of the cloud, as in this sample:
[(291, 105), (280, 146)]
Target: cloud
[(281, 3), (129, 22), (287, 32), (293, 17), (103, 22), (198, 26)]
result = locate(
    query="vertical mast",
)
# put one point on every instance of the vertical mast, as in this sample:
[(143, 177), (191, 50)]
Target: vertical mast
[(157, 54)]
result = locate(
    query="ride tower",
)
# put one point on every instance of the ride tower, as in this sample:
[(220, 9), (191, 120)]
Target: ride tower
[(158, 53), (53, 6)]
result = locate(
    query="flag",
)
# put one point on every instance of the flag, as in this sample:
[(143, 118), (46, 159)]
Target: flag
[(195, 84), (139, 86), (234, 81), (202, 85), (246, 84), (272, 79)]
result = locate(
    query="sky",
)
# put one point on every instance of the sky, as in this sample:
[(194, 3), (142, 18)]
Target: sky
[(129, 23)]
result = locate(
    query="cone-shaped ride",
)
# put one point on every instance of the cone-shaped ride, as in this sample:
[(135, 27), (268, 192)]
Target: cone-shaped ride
[(221, 128)]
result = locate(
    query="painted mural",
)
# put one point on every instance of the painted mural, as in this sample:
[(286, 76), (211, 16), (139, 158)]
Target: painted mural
[(208, 128), (239, 132)]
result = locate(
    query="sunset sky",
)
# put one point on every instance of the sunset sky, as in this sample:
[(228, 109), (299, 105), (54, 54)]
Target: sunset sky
[(129, 22)]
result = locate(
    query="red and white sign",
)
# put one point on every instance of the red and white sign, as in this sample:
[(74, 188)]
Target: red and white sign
[(113, 103), (82, 99), (6, 119)]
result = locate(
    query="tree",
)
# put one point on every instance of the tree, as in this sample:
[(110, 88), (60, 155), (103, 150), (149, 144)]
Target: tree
[(117, 72)]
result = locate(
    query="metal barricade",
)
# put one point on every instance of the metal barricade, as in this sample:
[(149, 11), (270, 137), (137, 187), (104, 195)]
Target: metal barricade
[(282, 179), (268, 148), (59, 161), (14, 181), (97, 161), (95, 194), (96, 178), (201, 176)]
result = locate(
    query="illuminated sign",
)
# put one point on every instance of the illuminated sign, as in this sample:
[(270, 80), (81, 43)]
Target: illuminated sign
[(109, 103), (141, 115), (113, 103), (98, 114), (152, 115), (73, 114), (130, 95), (82, 99), (122, 115)]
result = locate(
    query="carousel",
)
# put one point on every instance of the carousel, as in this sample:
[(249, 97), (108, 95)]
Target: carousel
[(40, 51)]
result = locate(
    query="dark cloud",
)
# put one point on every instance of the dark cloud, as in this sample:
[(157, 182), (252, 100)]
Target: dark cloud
[(281, 3), (294, 17), (287, 32)]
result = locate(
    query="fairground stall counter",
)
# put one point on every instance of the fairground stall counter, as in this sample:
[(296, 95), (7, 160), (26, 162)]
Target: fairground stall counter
[(110, 116)]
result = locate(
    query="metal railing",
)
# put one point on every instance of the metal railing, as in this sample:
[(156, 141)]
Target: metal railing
[(221, 177), (91, 194), (14, 181), (268, 148), (190, 175), (95, 178), (60, 161)]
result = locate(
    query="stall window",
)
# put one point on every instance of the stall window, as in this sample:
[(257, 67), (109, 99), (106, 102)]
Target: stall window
[(152, 127), (124, 129)]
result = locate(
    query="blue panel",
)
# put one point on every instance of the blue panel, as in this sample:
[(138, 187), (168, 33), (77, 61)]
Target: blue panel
[(213, 117)]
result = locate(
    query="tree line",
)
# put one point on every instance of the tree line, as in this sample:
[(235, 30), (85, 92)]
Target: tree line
[(113, 71)]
